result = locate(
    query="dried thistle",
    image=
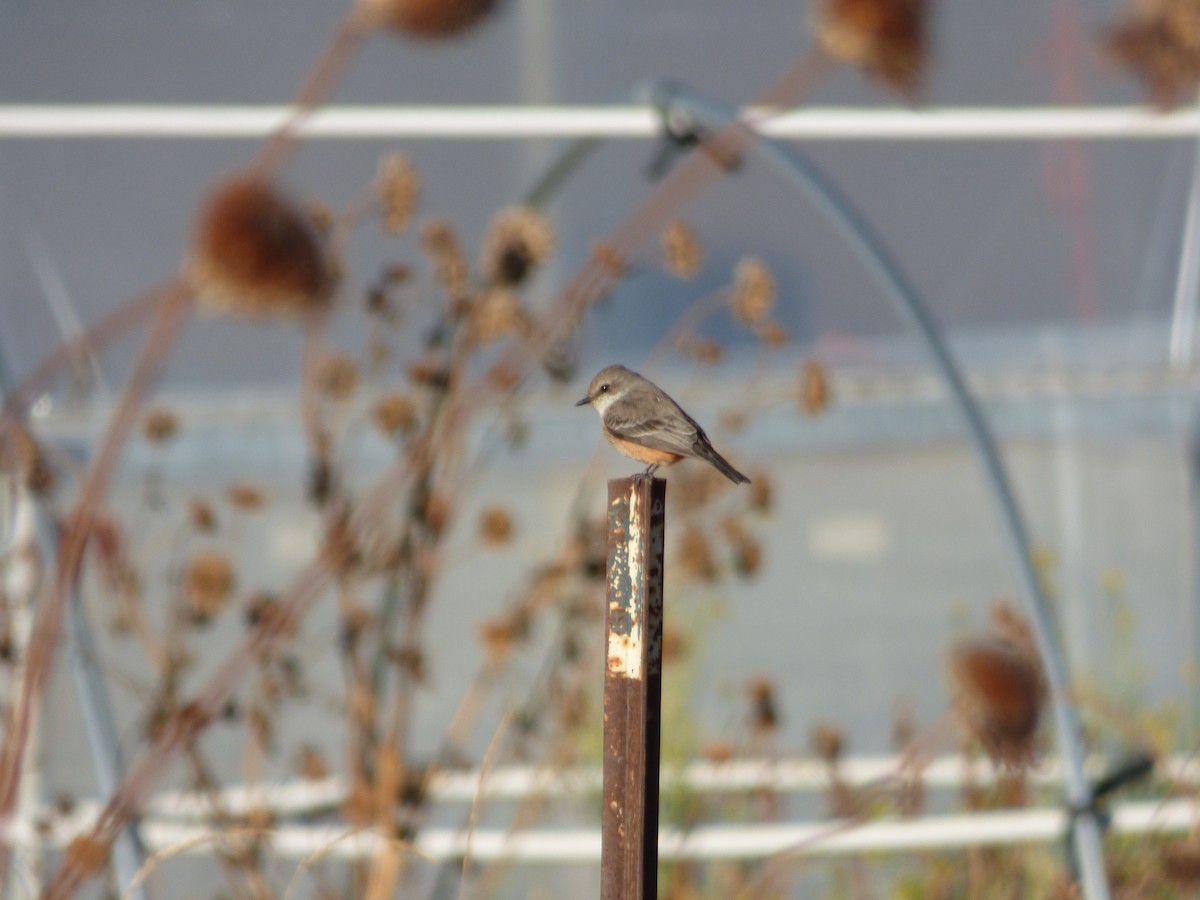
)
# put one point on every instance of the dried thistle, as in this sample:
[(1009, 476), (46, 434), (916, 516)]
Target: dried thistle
[(258, 254), (885, 37), (495, 527), (764, 710), (496, 313), (753, 291), (696, 555), (201, 515), (394, 414), (397, 184), (999, 694), (246, 496), (208, 581), (681, 251), (337, 377), (427, 19), (814, 388), (440, 243), (1159, 42), (828, 742), (311, 764), (517, 241), (159, 425)]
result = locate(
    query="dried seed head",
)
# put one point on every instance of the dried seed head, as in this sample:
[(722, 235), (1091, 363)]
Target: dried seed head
[(773, 334), (718, 752), (827, 742), (762, 492), (696, 555), (496, 527), (700, 349), (814, 388), (682, 254), (1160, 43), (501, 635), (397, 185), (764, 711), (517, 241), (207, 583), (246, 496), (202, 515), (337, 377), (258, 254), (753, 291), (675, 645), (159, 425), (394, 414), (998, 696), (497, 312), (885, 37), (610, 260), (311, 764), (440, 244), (428, 19), (21, 454)]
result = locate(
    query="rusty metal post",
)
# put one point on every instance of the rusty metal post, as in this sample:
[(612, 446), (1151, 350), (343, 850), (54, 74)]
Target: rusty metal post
[(633, 688)]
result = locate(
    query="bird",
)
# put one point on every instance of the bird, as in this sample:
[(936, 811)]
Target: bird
[(641, 421)]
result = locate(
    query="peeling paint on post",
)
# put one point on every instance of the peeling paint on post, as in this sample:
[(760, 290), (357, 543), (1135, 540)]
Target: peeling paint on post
[(633, 688)]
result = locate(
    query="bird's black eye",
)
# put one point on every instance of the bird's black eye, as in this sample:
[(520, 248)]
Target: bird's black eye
[(603, 388)]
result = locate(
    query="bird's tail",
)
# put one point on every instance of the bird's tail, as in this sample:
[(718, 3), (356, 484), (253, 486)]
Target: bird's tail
[(705, 450)]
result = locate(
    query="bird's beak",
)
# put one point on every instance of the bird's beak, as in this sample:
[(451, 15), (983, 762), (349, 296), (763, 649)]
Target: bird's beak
[(584, 402)]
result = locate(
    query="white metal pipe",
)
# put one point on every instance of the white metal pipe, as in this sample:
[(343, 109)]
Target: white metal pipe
[(613, 121)]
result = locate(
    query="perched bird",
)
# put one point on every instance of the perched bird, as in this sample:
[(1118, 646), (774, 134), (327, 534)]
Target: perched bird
[(641, 421)]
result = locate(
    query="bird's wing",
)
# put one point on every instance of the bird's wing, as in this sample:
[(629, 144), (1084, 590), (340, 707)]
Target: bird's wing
[(672, 432)]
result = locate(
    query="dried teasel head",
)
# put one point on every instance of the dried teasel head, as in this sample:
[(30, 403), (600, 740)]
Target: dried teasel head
[(427, 19), (159, 425), (394, 414), (257, 253), (246, 496), (517, 241), (814, 388), (888, 38), (999, 693), (208, 582), (397, 185), (753, 295), (1159, 42), (496, 527), (337, 377), (681, 251)]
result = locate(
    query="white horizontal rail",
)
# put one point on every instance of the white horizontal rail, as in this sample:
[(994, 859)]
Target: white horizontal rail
[(623, 121), (582, 845), (517, 782)]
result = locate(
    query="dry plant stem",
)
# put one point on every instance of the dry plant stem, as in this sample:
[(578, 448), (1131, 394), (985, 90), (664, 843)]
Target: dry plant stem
[(342, 47), (162, 856), (477, 800), (593, 280), (43, 643), (97, 335)]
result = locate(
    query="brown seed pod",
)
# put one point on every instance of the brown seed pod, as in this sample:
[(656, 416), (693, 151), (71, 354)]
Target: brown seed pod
[(256, 253), (1159, 42), (681, 251), (517, 241), (764, 709), (159, 425), (397, 185), (753, 291), (885, 37), (394, 414), (814, 388), (998, 696), (496, 527), (208, 581), (337, 377), (428, 19), (246, 496)]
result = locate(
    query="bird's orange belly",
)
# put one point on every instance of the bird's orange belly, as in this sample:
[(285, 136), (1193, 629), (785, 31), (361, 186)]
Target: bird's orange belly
[(646, 455)]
